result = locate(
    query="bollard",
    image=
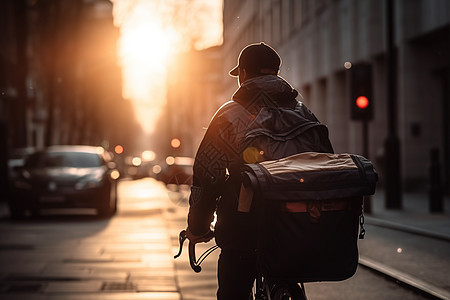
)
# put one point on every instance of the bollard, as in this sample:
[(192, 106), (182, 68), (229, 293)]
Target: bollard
[(435, 187)]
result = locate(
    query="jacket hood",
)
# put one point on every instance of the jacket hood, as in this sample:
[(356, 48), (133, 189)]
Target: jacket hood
[(268, 87)]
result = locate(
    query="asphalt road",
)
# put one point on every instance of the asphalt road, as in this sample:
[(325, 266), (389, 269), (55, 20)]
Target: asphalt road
[(130, 256)]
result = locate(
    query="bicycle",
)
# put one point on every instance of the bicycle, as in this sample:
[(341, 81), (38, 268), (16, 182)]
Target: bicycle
[(263, 289)]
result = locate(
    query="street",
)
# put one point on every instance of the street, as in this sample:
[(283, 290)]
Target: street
[(77, 256), (130, 256)]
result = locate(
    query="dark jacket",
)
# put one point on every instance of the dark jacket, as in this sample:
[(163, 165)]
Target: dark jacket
[(217, 182)]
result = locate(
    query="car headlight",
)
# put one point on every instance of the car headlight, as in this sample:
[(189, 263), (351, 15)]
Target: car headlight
[(114, 174)]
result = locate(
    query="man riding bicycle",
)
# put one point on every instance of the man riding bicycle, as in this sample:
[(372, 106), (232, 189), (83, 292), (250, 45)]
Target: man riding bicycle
[(217, 182)]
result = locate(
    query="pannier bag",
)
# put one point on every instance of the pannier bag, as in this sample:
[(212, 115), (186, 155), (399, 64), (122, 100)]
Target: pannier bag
[(311, 205)]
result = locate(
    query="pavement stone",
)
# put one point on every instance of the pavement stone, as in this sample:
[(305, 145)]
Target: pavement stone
[(110, 264), (96, 296), (126, 257), (414, 214)]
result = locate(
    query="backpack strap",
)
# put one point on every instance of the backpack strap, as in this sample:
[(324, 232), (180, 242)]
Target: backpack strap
[(245, 199), (250, 183)]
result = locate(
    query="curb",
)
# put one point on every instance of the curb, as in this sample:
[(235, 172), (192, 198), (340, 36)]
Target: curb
[(407, 228), (416, 283)]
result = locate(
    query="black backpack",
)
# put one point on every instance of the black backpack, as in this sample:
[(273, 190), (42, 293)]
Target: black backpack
[(277, 132), (309, 200)]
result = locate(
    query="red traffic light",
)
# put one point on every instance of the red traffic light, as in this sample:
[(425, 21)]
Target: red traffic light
[(361, 99), (362, 102)]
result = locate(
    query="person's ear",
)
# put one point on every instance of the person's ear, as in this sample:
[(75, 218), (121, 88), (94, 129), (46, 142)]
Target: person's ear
[(242, 74)]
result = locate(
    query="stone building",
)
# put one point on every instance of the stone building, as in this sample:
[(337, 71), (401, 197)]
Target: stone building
[(60, 81), (194, 94), (317, 39)]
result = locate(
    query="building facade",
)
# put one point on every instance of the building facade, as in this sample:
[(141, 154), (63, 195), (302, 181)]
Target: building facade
[(319, 39), (194, 88), (60, 81)]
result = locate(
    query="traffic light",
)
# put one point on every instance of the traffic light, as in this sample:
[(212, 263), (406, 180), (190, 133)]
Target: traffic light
[(361, 100)]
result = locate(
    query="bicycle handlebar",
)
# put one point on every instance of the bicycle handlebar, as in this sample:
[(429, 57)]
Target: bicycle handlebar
[(192, 258), (191, 250)]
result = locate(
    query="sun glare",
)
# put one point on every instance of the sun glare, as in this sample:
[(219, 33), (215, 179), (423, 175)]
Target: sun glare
[(151, 32), (145, 49), (147, 44)]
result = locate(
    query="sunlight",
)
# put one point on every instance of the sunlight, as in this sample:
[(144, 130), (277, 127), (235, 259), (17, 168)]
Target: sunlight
[(151, 33), (144, 50), (146, 44)]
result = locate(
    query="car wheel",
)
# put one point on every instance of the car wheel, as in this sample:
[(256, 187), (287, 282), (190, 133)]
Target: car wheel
[(107, 211), (109, 208)]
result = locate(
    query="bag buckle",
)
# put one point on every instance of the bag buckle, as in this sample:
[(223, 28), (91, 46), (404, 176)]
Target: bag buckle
[(362, 231)]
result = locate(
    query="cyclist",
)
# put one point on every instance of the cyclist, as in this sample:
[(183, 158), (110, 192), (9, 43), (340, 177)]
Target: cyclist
[(216, 184)]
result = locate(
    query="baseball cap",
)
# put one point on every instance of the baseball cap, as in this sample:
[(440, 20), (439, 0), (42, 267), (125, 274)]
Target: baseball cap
[(258, 58)]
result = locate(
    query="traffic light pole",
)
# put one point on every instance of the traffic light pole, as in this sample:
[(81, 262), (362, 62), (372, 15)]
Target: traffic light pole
[(365, 139), (361, 107), (393, 196)]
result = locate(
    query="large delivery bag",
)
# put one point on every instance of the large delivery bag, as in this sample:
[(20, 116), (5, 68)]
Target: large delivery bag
[(310, 210)]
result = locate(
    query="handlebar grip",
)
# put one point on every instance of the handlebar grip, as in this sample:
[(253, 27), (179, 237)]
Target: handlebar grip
[(191, 247), (193, 259)]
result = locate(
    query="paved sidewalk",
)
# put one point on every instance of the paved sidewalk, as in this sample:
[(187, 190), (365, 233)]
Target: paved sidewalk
[(414, 215)]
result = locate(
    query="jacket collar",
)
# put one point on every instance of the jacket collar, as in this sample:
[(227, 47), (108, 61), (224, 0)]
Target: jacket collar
[(266, 88)]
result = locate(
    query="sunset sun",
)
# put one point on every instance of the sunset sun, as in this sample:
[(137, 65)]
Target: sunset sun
[(147, 44), (151, 33)]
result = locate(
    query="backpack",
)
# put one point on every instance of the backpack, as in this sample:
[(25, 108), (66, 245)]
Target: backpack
[(309, 200), (277, 132)]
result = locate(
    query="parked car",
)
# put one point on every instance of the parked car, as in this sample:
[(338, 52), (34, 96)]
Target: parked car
[(16, 159), (65, 177), (136, 168), (177, 170)]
